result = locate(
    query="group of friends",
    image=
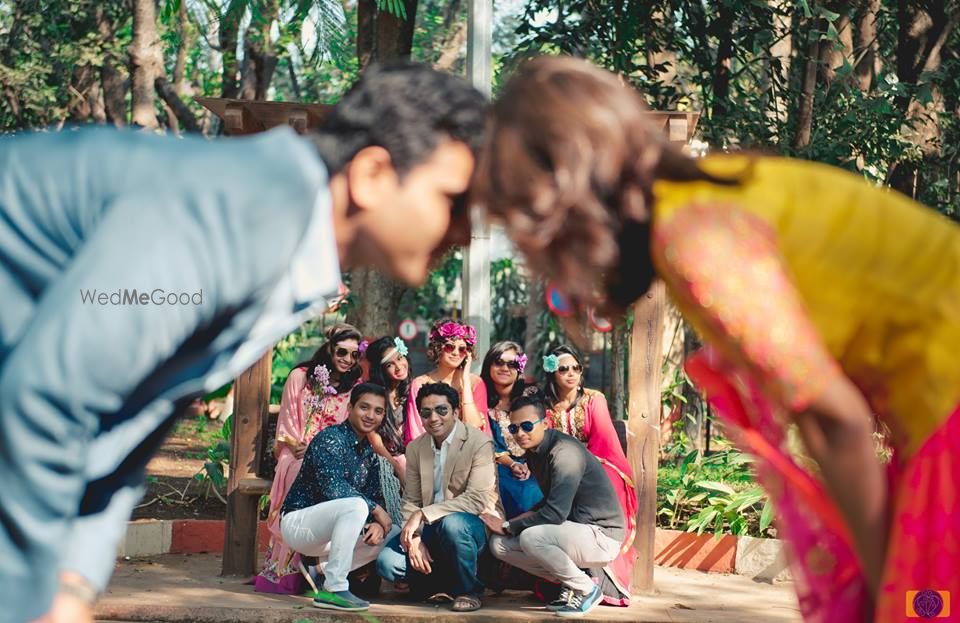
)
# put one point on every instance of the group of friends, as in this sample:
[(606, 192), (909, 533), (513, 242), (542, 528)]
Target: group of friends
[(827, 305), (428, 481)]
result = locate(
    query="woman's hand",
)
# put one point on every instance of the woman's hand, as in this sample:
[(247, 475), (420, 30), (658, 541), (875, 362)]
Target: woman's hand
[(520, 470), (299, 450)]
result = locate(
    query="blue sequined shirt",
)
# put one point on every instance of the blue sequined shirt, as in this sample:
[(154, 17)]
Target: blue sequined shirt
[(337, 464)]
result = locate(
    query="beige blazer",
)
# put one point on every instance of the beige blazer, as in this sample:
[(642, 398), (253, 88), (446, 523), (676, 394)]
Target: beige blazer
[(469, 476)]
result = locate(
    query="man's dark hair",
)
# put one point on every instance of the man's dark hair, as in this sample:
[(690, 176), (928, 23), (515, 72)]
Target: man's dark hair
[(366, 388), (529, 398), (439, 389), (408, 109)]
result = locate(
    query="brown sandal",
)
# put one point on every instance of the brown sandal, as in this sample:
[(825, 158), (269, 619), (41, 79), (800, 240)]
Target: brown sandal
[(466, 603)]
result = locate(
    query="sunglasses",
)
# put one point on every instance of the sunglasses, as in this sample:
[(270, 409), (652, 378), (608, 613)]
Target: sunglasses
[(512, 363), (526, 427), (450, 348), (441, 410), (343, 352), (575, 367)]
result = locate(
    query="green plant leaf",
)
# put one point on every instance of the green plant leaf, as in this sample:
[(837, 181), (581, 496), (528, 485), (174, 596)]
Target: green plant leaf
[(766, 516), (715, 486)]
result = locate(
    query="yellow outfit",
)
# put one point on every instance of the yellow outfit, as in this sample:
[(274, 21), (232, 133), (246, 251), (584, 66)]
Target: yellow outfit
[(801, 264)]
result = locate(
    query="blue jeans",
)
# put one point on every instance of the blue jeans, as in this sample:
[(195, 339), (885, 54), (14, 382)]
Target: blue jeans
[(455, 544)]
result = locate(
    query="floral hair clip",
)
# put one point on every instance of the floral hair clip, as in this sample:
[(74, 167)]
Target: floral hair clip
[(551, 363), (363, 346), (401, 346), (522, 362), (453, 330)]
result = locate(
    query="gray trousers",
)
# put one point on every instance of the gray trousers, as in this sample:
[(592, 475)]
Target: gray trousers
[(558, 552)]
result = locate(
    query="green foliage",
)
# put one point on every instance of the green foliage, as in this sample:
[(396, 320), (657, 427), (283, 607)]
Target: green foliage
[(217, 458), (713, 493), (742, 63)]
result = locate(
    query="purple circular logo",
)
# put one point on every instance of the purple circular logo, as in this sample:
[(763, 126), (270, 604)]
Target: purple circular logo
[(927, 604)]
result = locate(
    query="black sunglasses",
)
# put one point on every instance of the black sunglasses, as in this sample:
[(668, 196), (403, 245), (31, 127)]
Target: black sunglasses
[(513, 363), (526, 427), (343, 352), (564, 369), (441, 410)]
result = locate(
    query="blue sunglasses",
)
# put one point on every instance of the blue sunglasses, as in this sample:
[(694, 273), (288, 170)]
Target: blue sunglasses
[(526, 427)]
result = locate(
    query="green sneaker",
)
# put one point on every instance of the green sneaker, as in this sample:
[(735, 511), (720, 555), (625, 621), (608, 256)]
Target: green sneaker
[(341, 600)]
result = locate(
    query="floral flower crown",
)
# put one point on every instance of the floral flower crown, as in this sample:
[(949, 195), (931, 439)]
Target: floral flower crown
[(452, 330)]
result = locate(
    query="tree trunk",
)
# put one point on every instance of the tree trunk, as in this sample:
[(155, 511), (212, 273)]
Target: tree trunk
[(804, 125), (694, 410), (178, 111), (228, 35), (113, 82), (723, 27), (867, 47), (259, 56), (923, 33), (145, 63), (835, 52), (380, 37)]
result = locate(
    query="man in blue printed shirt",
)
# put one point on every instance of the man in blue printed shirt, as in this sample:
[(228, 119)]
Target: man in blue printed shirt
[(334, 509)]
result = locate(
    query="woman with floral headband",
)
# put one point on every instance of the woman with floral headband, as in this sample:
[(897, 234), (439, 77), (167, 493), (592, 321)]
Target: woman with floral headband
[(502, 374), (826, 304), (390, 368), (583, 414), (316, 395), (451, 349)]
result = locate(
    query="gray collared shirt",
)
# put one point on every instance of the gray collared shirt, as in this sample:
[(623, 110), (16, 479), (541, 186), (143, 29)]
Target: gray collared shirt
[(439, 459)]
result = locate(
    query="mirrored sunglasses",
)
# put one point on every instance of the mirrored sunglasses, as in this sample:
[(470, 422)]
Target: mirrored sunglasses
[(343, 352), (441, 410), (526, 427)]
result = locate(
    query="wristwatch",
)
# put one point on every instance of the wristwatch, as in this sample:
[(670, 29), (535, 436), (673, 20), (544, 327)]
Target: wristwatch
[(505, 526)]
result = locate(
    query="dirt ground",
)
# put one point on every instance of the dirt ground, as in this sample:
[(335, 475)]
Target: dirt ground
[(172, 490)]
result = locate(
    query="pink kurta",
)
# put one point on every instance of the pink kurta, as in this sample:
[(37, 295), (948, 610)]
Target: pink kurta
[(590, 422), (295, 425), (413, 425)]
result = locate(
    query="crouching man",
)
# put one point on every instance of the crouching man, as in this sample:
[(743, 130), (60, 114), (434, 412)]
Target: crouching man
[(334, 510), (578, 524), (451, 480)]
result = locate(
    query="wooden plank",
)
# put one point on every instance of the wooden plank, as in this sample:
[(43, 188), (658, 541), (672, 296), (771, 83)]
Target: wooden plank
[(251, 399), (254, 486), (643, 426)]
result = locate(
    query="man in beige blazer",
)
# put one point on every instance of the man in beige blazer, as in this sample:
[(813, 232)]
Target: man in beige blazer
[(451, 479)]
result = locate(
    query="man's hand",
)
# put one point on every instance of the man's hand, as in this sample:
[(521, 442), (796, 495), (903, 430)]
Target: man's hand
[(382, 517), (419, 555), (71, 604), (409, 531), (373, 534), (493, 522)]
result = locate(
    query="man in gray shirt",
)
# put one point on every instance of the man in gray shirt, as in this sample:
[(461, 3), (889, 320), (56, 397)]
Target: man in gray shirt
[(140, 271), (578, 524)]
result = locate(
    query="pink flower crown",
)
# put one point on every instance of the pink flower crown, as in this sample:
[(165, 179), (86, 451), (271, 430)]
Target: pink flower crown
[(453, 330)]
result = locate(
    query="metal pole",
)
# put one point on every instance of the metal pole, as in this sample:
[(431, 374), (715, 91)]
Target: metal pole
[(476, 258)]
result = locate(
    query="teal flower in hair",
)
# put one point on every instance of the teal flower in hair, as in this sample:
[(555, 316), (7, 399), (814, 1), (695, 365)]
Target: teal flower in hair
[(401, 346), (551, 363)]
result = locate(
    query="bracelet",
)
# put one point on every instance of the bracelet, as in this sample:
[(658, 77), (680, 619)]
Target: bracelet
[(83, 592)]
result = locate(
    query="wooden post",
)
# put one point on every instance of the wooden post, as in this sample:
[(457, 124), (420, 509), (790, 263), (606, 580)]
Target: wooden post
[(251, 395), (643, 426)]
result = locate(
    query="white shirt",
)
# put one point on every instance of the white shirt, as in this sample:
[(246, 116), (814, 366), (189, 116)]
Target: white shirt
[(439, 459)]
